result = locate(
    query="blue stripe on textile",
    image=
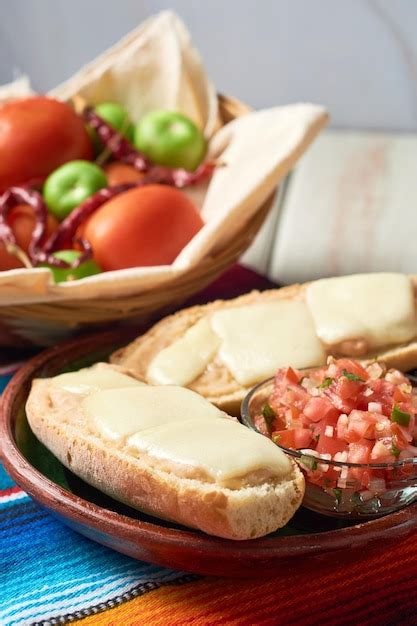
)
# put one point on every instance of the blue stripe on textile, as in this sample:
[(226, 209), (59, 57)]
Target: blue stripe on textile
[(46, 569), (4, 380), (5, 480)]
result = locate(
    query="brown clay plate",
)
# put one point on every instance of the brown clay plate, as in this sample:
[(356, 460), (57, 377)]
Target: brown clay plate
[(308, 541)]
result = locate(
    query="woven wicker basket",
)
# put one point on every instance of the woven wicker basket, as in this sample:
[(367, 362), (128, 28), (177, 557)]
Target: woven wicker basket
[(33, 321)]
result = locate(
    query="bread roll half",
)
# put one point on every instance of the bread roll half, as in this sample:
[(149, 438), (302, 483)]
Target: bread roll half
[(253, 504), (216, 382)]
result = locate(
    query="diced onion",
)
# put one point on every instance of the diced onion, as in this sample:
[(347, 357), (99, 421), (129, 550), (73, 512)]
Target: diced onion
[(309, 383), (375, 407), (329, 431), (374, 371), (310, 452), (341, 457), (323, 467)]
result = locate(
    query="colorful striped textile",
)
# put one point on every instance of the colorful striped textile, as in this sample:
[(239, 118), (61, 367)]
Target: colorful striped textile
[(51, 575)]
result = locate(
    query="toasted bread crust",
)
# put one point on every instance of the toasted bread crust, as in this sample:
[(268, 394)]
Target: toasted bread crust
[(235, 514)]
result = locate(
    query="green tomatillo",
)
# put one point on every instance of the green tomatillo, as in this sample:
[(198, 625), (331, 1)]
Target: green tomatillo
[(117, 117), (64, 274), (71, 184), (170, 138)]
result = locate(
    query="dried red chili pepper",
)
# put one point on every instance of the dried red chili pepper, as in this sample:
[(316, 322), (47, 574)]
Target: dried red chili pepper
[(86, 254), (36, 254), (122, 150), (8, 200), (118, 146), (178, 177), (64, 235)]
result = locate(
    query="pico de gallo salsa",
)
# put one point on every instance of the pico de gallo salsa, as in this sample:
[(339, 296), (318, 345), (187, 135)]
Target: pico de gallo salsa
[(341, 414)]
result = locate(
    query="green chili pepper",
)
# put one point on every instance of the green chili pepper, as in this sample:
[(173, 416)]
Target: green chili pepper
[(401, 417)]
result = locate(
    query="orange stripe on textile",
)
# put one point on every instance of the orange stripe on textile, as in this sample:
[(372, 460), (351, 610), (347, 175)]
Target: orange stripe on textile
[(375, 588)]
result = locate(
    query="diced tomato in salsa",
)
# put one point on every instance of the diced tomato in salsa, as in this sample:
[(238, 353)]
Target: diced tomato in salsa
[(345, 413), (330, 445), (320, 408), (284, 438)]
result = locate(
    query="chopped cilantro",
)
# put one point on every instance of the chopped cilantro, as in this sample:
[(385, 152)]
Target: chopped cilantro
[(401, 417), (356, 499), (350, 376), (326, 383), (268, 414), (338, 495), (394, 450)]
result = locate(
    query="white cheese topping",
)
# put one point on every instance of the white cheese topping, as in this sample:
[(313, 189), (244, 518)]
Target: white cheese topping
[(185, 359), (92, 379), (258, 339), (378, 308), (117, 413), (223, 448)]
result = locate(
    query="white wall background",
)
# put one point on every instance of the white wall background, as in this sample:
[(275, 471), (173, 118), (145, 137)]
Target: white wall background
[(358, 57)]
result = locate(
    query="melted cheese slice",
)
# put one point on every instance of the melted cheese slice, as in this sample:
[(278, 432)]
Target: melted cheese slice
[(224, 449), (185, 359), (117, 413), (92, 379), (376, 307), (258, 339)]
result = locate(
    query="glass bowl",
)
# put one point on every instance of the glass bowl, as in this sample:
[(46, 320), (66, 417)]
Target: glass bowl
[(394, 485)]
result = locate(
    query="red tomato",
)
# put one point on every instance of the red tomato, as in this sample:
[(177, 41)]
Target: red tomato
[(383, 392), (344, 394), (146, 226), (284, 438), (296, 438), (402, 436), (330, 445), (36, 136), (382, 453), (318, 408), (22, 221), (353, 367), (118, 173), (361, 425), (360, 451), (302, 437)]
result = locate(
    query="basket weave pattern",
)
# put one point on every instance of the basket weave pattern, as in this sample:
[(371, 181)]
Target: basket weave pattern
[(143, 305)]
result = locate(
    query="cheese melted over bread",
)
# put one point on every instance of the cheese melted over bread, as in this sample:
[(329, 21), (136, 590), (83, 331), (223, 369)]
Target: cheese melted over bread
[(221, 349)]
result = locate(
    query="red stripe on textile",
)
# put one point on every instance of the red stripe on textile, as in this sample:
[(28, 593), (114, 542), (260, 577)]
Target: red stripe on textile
[(306, 598), (10, 491)]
